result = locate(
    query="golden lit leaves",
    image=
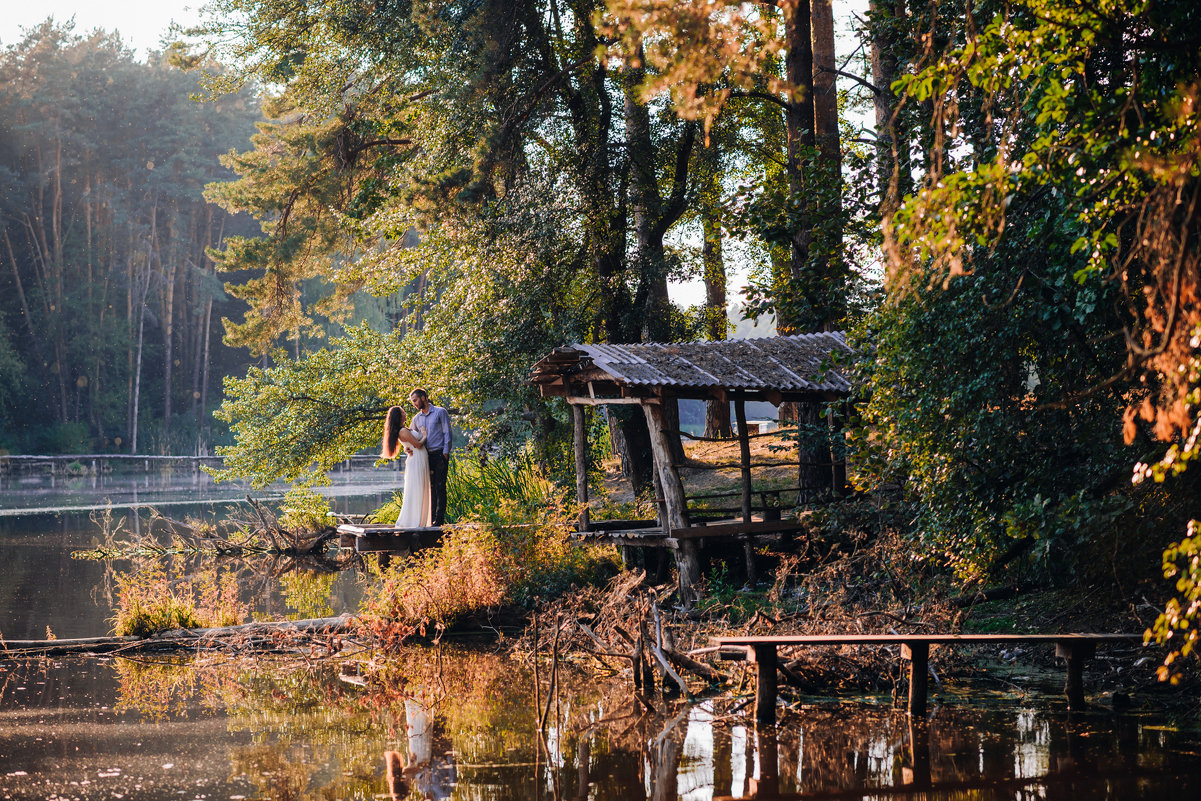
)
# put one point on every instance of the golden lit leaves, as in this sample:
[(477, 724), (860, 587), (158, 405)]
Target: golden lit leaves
[(700, 52)]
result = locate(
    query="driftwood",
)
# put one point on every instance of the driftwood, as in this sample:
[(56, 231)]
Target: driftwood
[(260, 533), (259, 636)]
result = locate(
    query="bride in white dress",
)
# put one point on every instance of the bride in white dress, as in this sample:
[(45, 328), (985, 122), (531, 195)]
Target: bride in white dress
[(416, 510)]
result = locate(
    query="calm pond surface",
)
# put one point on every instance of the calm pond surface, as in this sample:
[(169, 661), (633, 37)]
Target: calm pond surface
[(44, 519), (461, 721)]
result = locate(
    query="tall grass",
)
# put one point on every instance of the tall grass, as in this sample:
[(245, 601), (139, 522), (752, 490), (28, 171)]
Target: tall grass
[(499, 491), (496, 491), (152, 600)]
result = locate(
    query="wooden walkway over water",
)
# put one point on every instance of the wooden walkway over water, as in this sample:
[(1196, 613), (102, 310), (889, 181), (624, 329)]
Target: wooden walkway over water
[(1074, 649)]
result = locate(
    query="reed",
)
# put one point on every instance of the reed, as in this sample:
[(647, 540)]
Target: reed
[(153, 600)]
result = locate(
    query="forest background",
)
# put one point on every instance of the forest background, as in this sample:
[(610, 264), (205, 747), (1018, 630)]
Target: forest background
[(997, 201)]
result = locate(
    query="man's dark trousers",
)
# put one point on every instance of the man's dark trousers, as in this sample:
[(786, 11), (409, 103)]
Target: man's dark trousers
[(438, 487)]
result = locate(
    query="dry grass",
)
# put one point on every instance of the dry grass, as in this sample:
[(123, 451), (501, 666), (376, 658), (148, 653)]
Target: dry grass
[(161, 599), (480, 565)]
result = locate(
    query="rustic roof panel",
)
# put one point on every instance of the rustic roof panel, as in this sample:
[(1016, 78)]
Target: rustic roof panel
[(798, 363)]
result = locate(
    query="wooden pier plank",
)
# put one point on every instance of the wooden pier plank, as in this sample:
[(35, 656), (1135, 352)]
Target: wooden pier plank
[(933, 639)]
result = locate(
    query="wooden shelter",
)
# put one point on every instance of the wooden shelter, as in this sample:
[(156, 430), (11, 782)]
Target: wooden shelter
[(779, 369)]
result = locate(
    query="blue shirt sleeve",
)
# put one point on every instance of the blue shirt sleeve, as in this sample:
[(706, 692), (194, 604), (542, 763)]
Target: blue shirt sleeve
[(444, 422)]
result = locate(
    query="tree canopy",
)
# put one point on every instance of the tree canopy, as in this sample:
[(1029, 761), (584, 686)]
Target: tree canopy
[(1010, 238)]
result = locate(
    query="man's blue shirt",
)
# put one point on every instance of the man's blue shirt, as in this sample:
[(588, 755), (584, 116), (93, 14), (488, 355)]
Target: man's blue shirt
[(435, 422)]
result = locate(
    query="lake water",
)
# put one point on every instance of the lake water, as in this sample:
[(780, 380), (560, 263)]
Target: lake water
[(461, 721)]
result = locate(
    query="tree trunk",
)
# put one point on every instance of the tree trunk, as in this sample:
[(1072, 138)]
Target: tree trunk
[(814, 474), (829, 268), (646, 204), (799, 124), (717, 412), (631, 441), (881, 21), (137, 380), (169, 270), (825, 89)]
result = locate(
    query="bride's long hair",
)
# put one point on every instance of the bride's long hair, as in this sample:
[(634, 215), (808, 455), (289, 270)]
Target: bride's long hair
[(392, 425)]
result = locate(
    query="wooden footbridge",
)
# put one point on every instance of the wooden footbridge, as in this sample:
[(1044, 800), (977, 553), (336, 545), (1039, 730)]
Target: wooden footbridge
[(381, 538), (1074, 649)]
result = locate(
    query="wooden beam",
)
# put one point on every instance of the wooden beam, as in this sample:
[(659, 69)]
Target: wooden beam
[(584, 400), (1075, 654), (744, 458), (736, 529), (580, 438), (764, 657), (918, 654)]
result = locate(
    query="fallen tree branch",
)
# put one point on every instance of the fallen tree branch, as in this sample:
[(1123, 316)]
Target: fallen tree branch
[(186, 639)]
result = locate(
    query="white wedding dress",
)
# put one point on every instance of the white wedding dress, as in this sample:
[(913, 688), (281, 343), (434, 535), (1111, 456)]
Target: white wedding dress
[(416, 509)]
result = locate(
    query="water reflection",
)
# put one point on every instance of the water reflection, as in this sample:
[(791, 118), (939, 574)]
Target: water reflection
[(462, 724), (42, 588), (23, 495)]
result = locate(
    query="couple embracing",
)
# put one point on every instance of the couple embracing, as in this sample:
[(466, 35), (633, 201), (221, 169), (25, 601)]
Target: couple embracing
[(427, 445)]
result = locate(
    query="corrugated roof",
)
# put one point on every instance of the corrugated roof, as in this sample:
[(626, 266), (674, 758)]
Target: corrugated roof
[(781, 363)]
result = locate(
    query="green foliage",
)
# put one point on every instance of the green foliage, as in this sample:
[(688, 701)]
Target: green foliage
[(1178, 625), (305, 510), (1083, 114), (981, 405), (299, 418)]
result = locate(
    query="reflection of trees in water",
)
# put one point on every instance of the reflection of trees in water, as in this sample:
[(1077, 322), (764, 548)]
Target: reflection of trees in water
[(435, 720), (270, 586)]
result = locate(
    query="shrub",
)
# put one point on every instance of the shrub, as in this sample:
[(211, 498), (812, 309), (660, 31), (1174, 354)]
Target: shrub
[(151, 600), (305, 511), (512, 547)]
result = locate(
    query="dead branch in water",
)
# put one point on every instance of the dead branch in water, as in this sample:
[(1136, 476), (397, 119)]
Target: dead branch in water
[(624, 629), (262, 533)]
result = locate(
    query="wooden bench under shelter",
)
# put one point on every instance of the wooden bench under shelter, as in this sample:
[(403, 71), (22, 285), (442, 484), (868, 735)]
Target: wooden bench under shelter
[(778, 369), (1074, 649)]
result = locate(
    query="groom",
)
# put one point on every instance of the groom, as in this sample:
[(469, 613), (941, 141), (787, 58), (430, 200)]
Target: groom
[(434, 423)]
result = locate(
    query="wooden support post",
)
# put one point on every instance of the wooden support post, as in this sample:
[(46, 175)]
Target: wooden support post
[(764, 657), (744, 457), (674, 503), (1075, 654), (918, 654), (838, 459), (580, 439)]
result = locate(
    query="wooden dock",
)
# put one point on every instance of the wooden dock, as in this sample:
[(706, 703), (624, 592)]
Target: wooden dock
[(1074, 649), (372, 538)]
